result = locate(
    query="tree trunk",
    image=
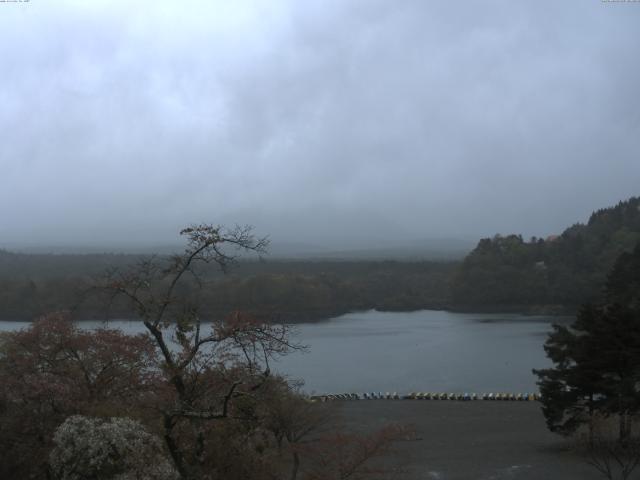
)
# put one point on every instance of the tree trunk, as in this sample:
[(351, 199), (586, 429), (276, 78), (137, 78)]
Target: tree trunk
[(623, 428), (591, 421), (174, 451), (296, 466)]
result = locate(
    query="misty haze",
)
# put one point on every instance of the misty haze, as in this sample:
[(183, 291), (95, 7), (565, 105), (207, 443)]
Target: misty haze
[(339, 239)]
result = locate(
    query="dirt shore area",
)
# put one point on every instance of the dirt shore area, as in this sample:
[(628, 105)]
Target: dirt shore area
[(476, 440)]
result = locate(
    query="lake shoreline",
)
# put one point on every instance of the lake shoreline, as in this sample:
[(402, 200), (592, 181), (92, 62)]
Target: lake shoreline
[(295, 318)]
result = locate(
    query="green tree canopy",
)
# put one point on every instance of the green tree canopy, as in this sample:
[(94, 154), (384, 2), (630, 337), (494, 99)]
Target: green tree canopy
[(597, 358), (563, 271)]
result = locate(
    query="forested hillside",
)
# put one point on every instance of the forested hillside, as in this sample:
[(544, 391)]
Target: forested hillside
[(31, 285), (556, 273), (502, 273)]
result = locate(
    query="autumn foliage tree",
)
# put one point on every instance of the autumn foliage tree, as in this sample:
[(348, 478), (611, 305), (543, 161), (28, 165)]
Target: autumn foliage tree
[(53, 370)]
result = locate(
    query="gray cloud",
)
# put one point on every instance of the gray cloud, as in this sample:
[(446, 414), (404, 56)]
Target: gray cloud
[(346, 122)]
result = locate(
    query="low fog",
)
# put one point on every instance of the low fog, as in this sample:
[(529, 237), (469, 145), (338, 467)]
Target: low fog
[(334, 124)]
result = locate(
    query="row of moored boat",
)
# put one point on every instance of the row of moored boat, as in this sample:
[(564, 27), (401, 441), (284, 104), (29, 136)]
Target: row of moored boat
[(519, 397)]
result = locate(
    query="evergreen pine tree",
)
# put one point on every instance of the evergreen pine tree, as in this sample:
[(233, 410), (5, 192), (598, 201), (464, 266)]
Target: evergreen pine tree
[(597, 358)]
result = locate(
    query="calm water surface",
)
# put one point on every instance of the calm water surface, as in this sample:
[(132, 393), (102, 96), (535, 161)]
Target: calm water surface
[(425, 350)]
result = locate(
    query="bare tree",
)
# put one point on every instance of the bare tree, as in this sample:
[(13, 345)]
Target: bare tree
[(357, 456), (612, 457), (213, 369), (224, 415)]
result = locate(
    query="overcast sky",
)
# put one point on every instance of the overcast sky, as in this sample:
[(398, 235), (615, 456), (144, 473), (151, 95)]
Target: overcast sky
[(345, 122)]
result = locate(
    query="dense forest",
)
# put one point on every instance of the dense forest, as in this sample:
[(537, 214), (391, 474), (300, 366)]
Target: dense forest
[(557, 273), (549, 275), (292, 291)]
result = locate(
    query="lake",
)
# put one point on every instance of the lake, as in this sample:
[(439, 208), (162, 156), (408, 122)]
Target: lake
[(426, 350)]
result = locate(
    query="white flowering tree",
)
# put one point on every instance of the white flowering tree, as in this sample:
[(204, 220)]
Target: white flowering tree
[(113, 449)]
